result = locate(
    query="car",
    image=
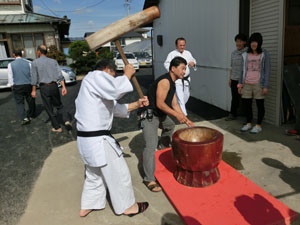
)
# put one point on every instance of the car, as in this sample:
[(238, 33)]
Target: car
[(3, 72), (67, 72), (131, 59), (69, 75), (144, 59)]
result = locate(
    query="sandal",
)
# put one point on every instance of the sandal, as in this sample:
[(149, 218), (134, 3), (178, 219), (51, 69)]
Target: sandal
[(58, 130), (151, 187), (68, 125), (142, 208)]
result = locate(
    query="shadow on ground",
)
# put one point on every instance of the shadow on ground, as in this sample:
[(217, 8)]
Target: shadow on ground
[(288, 174), (23, 151)]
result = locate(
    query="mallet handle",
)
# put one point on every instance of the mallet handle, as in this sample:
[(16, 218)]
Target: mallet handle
[(133, 78)]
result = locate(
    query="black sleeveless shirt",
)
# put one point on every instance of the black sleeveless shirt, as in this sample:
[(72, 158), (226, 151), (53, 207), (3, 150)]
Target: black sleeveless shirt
[(152, 95)]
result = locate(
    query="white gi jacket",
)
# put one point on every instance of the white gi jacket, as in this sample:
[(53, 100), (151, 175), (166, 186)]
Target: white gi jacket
[(96, 106), (187, 56)]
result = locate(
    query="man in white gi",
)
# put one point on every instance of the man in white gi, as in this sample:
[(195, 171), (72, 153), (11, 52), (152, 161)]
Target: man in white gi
[(96, 105), (182, 85)]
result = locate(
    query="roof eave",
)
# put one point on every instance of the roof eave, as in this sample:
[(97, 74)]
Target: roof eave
[(147, 4)]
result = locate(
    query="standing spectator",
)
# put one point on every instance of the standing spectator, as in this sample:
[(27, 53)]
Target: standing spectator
[(235, 73), (254, 81), (182, 85), (102, 155), (19, 78), (162, 104), (46, 72)]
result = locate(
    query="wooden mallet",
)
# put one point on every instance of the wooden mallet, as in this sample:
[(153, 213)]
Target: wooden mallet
[(120, 27)]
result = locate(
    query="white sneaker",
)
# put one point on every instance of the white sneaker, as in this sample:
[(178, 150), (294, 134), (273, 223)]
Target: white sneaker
[(246, 127), (255, 130)]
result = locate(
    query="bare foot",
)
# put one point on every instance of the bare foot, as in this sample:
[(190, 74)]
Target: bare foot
[(132, 209), (84, 212)]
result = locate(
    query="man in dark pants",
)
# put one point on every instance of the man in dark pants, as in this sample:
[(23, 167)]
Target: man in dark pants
[(46, 72), (162, 104), (19, 79)]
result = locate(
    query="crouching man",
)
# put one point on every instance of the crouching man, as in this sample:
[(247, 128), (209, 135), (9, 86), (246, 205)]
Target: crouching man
[(162, 104)]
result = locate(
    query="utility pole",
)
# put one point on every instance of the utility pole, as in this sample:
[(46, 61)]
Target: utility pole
[(127, 3)]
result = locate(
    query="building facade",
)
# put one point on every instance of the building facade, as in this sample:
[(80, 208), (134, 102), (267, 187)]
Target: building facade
[(210, 27), (21, 28)]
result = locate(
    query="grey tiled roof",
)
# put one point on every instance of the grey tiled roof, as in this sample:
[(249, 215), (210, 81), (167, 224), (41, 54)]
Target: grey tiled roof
[(31, 18)]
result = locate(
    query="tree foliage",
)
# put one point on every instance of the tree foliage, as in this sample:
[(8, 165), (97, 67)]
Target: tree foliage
[(84, 60), (54, 53)]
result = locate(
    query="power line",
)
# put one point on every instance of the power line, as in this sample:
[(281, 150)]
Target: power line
[(47, 8), (70, 11)]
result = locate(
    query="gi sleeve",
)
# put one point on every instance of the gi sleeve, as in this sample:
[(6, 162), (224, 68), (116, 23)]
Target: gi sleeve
[(108, 87), (121, 110), (10, 76), (191, 58), (168, 61)]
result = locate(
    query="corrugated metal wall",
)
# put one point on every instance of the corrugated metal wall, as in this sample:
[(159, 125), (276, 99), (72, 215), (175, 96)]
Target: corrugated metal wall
[(266, 17)]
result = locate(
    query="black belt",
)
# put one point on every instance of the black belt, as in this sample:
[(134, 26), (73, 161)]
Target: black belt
[(187, 79), (96, 134), (42, 84)]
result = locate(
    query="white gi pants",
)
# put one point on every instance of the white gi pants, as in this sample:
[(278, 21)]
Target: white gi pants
[(183, 95), (115, 176)]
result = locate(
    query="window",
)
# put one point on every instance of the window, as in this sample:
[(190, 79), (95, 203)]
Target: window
[(128, 56), (4, 63), (16, 41), (27, 42)]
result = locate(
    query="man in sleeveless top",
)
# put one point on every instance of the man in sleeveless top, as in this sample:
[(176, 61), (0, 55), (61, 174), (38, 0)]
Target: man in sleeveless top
[(19, 79), (162, 104), (182, 85)]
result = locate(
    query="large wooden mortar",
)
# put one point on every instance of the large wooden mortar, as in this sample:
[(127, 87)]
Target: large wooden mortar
[(197, 152)]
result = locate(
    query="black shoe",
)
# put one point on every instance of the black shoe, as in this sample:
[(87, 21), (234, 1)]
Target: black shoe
[(25, 121)]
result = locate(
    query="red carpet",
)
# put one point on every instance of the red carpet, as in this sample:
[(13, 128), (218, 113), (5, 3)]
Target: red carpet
[(233, 200)]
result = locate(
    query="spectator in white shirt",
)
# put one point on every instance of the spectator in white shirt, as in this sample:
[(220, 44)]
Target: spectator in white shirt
[(19, 79), (182, 85)]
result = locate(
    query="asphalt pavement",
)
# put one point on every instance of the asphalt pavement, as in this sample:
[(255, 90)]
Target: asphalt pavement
[(41, 174)]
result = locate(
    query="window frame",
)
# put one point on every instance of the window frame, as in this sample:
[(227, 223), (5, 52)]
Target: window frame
[(13, 2)]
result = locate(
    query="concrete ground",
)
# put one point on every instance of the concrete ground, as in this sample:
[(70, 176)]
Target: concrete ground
[(41, 174), (269, 159)]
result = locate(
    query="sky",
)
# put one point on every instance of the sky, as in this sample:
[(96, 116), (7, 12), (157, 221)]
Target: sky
[(88, 15)]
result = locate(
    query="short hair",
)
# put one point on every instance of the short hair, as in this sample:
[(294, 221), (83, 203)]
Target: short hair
[(179, 39), (256, 37), (18, 52), (42, 49), (102, 64), (177, 61), (241, 37)]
